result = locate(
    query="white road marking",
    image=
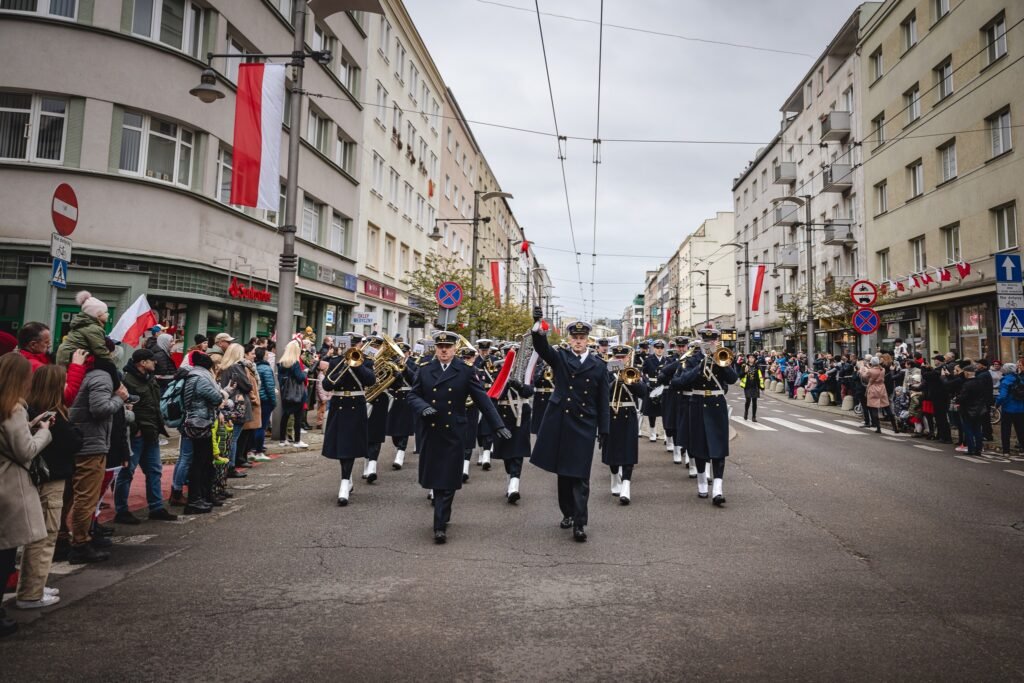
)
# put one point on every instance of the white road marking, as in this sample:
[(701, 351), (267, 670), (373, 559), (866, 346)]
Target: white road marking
[(927, 448), (132, 540), (756, 426), (970, 459), (776, 410), (890, 438), (828, 425), (852, 423), (1017, 472), (792, 425)]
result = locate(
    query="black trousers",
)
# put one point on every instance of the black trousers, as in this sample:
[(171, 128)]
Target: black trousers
[(400, 442), (346, 468), (942, 423), (748, 403), (1016, 421), (627, 471), (288, 410), (200, 472), (242, 447), (717, 467), (573, 494), (373, 451), (651, 419), (442, 508), (514, 466)]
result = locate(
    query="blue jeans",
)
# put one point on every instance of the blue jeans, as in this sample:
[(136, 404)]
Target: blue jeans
[(972, 434), (232, 456), (147, 455), (259, 442), (181, 467)]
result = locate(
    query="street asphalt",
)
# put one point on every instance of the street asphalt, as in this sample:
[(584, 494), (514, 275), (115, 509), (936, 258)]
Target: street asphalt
[(840, 555)]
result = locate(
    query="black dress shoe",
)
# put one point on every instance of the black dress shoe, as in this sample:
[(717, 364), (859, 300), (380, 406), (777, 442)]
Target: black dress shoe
[(197, 507), (566, 523), (213, 502), (162, 515), (244, 465), (126, 517), (102, 530), (513, 497), (7, 627), (579, 535), (718, 501), (86, 554), (440, 537), (235, 474), (465, 478), (486, 466)]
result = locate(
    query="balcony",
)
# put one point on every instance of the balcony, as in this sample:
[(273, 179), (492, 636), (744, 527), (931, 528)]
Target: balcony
[(835, 126), (787, 257), (784, 173), (787, 214), (838, 232), (837, 178)]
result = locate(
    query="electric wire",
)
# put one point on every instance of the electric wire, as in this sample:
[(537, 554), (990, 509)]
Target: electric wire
[(597, 155)]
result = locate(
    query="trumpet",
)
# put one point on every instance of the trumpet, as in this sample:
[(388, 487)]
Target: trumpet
[(549, 374), (722, 357), (353, 357)]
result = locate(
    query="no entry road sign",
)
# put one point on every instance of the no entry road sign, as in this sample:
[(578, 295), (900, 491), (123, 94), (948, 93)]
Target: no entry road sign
[(64, 209), (865, 321), (448, 295)]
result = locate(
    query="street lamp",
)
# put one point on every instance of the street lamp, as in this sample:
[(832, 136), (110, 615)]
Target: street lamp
[(479, 195), (805, 201), (746, 263), (707, 295), (208, 93)]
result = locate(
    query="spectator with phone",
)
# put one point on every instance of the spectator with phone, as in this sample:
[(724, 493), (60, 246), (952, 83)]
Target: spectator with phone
[(21, 516)]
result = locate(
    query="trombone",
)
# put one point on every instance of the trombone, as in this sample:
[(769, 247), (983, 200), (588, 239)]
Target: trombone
[(625, 377)]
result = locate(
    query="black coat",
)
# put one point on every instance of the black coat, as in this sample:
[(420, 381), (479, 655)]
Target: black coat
[(577, 412), (441, 453), (519, 445), (752, 381), (400, 415), (652, 368), (541, 394), (974, 397), (346, 433), (65, 442), (707, 435), (671, 398), (620, 447), (377, 421)]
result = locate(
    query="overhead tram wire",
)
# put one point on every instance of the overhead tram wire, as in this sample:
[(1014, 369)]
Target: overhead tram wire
[(597, 154), (561, 155)]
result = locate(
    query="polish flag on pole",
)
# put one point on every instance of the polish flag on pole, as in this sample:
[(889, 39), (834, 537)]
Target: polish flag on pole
[(498, 280), (259, 115), (134, 322), (647, 328), (756, 279), (666, 320)]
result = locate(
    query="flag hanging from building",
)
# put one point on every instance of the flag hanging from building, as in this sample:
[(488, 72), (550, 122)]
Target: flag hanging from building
[(134, 322), (755, 278), (666, 320), (498, 280), (259, 115), (647, 328)]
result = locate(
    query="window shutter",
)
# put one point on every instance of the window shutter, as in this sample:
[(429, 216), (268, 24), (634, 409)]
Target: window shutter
[(127, 10), (117, 121)]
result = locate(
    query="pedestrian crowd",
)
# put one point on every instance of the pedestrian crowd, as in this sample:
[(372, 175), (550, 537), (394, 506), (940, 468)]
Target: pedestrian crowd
[(76, 422)]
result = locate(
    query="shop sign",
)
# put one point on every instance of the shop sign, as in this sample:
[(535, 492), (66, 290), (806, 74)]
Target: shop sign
[(331, 276), (362, 318), (239, 291), (900, 315), (380, 291)]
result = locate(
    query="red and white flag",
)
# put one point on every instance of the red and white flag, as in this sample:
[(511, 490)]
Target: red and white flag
[(964, 269), (944, 274), (756, 279), (134, 322), (259, 115), (647, 328), (498, 280), (666, 321)]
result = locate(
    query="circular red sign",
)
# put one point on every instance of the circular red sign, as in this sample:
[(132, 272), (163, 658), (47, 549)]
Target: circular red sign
[(448, 295), (864, 293), (866, 321), (64, 209)]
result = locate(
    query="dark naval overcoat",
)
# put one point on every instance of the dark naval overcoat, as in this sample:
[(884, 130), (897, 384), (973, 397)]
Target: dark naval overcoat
[(346, 432), (707, 427)]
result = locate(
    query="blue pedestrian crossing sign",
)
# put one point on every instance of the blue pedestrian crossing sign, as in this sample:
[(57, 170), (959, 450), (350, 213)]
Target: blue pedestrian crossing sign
[(59, 274), (1011, 322), (1008, 268)]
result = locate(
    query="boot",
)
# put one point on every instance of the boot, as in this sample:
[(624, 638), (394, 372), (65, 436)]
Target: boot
[(86, 553), (677, 455), (513, 490), (465, 471), (693, 467), (370, 471), (654, 435), (716, 493), (702, 484), (399, 460), (485, 460), (669, 444), (624, 495), (344, 491), (7, 626), (617, 482), (177, 498)]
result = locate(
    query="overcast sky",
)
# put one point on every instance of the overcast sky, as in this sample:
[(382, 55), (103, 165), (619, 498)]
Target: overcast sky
[(650, 196)]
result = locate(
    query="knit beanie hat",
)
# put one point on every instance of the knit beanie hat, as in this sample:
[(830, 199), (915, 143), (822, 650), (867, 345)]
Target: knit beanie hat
[(90, 304)]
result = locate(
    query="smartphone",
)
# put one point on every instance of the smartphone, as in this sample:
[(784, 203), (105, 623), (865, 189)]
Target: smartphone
[(42, 417)]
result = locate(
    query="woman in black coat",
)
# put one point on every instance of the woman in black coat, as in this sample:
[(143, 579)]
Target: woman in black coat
[(752, 382)]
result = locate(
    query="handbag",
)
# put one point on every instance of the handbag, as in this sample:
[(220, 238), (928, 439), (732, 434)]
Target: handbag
[(197, 428)]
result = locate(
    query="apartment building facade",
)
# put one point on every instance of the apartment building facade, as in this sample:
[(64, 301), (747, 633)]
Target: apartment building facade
[(942, 89), (704, 290), (151, 165), (816, 158)]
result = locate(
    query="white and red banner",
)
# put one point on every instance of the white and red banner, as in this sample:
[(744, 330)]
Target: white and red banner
[(134, 322), (498, 280), (755, 277), (647, 328), (666, 321), (259, 115)]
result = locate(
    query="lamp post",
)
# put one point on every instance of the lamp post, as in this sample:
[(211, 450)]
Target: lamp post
[(805, 201), (707, 295), (746, 263), (479, 195), (208, 92)]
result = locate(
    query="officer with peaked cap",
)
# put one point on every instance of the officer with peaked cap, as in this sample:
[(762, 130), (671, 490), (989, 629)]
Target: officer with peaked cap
[(578, 411), (672, 397), (439, 396), (346, 435), (653, 405), (400, 425), (620, 449)]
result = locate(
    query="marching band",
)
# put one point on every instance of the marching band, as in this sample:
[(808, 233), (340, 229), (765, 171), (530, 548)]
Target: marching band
[(452, 397)]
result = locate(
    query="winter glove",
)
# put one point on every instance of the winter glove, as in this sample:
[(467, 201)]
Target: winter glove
[(516, 384), (428, 411), (504, 433)]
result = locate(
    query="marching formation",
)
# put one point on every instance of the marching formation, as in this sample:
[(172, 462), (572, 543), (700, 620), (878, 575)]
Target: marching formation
[(453, 398)]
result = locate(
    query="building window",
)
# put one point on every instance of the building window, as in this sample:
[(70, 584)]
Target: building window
[(312, 211), (995, 38), (912, 103), (414, 80), (396, 120), (941, 8), (447, 186), (372, 246), (435, 114), (433, 167), (337, 237), (393, 181), (878, 128), (455, 197), (410, 135), (877, 65), (318, 130), (158, 149), (407, 201), (399, 61), (917, 254), (915, 172), (881, 197), (389, 254), (65, 9), (883, 265), (175, 23), (1006, 227), (378, 174), (385, 38), (225, 166), (951, 238), (848, 99), (809, 94), (32, 127), (947, 160), (382, 104), (403, 260), (349, 73), (944, 78), (764, 180), (999, 133), (909, 31)]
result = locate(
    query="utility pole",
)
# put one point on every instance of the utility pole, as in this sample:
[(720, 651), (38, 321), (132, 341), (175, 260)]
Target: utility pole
[(810, 285), (746, 269)]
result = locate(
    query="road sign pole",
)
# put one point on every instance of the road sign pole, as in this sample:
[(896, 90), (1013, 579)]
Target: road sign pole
[(52, 316)]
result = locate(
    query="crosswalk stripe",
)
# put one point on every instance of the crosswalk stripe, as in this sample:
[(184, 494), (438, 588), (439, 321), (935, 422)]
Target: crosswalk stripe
[(890, 438), (776, 410), (927, 448), (968, 458), (757, 426), (1017, 472), (791, 425), (828, 425), (852, 423)]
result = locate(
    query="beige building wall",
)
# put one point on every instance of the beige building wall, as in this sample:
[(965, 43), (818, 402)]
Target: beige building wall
[(962, 209), (702, 250)]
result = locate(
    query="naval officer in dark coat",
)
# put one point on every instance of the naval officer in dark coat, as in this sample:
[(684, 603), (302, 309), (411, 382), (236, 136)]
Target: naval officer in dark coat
[(653, 407), (577, 412), (705, 383), (400, 425), (439, 396)]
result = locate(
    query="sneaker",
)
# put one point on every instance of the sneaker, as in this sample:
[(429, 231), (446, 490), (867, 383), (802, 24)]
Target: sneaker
[(960, 449), (163, 441), (51, 591), (284, 444), (261, 457), (301, 444), (44, 601)]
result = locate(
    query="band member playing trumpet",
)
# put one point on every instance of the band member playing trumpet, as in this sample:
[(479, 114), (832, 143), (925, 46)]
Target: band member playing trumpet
[(439, 396), (620, 450), (705, 378), (345, 434), (578, 410), (653, 408), (376, 425), (400, 418)]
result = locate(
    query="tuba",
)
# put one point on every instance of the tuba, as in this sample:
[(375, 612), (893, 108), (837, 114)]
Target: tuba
[(388, 365)]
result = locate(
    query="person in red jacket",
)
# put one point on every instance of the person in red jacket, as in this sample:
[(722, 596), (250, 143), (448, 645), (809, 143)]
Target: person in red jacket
[(34, 344)]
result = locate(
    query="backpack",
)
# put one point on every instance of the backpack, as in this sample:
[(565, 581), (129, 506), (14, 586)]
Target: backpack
[(292, 390), (172, 401), (1017, 389)]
